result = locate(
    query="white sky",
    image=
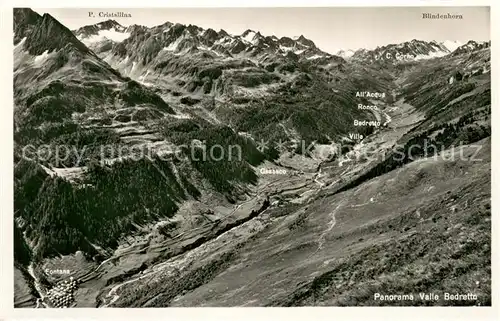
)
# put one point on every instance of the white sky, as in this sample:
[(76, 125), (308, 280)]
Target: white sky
[(331, 28)]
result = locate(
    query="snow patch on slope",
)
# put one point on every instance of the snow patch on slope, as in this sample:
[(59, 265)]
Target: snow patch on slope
[(41, 58), (205, 48), (285, 49), (314, 57), (249, 37), (345, 53), (435, 54), (143, 77), (224, 40), (452, 45), (20, 43), (174, 45)]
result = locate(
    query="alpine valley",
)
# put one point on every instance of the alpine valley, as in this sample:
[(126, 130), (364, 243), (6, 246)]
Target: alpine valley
[(324, 202)]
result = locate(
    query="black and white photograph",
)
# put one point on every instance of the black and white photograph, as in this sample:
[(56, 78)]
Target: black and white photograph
[(251, 157)]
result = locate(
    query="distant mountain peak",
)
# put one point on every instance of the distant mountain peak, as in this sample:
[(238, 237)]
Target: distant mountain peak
[(471, 46), (251, 36), (108, 24), (345, 53), (306, 42), (51, 21), (223, 33), (406, 51), (177, 38), (246, 32), (109, 29), (91, 30), (210, 34)]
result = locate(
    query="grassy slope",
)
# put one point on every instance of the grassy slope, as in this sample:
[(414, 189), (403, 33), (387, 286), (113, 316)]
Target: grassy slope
[(442, 245), (434, 214), (410, 240)]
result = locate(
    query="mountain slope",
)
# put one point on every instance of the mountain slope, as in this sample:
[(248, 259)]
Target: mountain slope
[(148, 210), (108, 146), (66, 97), (432, 210)]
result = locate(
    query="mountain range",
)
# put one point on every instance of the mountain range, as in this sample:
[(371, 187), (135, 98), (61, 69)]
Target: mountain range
[(181, 39)]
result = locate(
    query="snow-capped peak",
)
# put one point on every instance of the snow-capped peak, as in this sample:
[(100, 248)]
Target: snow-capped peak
[(345, 53), (113, 35), (109, 29), (249, 36), (451, 45)]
